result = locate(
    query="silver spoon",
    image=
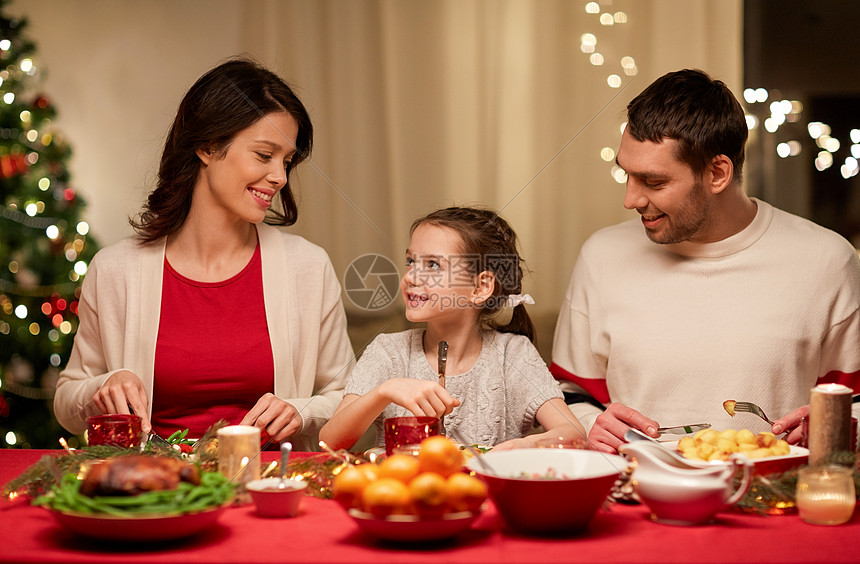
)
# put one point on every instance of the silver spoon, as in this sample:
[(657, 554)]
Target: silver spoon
[(666, 454), (286, 449)]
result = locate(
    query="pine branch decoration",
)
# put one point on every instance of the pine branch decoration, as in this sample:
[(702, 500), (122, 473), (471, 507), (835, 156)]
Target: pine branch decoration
[(774, 494)]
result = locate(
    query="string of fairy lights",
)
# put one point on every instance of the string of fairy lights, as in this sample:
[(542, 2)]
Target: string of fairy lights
[(615, 78)]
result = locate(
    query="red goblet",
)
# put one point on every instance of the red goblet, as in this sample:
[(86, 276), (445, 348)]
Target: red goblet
[(114, 429), (403, 431)]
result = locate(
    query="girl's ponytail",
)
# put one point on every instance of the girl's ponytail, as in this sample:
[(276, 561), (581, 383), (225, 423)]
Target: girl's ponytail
[(520, 324)]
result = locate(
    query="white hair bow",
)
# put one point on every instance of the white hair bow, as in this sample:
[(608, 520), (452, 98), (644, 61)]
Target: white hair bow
[(516, 299)]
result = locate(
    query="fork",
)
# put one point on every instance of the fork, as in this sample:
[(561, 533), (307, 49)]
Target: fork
[(158, 440), (745, 406)]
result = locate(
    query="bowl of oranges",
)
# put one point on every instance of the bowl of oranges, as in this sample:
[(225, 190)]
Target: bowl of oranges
[(412, 497)]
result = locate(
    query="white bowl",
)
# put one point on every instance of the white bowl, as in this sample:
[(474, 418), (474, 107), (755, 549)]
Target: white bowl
[(548, 491), (272, 500)]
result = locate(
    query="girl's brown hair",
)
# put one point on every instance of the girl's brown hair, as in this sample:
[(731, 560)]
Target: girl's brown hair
[(489, 244)]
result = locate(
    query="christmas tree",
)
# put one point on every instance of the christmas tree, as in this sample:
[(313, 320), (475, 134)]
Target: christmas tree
[(44, 248)]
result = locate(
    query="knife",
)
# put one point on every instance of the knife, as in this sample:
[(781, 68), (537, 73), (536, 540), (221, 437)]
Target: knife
[(442, 357), (684, 429)]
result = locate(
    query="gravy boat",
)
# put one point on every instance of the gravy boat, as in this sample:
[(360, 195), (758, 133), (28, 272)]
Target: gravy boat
[(679, 493)]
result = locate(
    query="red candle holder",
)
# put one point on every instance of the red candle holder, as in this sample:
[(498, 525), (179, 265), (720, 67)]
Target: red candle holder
[(403, 431), (115, 429)]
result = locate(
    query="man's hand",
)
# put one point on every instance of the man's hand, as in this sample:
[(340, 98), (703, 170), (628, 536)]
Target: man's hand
[(790, 423), (279, 419), (608, 430), (123, 392)]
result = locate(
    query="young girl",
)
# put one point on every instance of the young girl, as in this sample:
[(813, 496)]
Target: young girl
[(462, 269)]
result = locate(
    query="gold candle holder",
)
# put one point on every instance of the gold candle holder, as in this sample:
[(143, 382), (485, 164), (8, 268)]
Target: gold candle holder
[(239, 453), (829, 421)]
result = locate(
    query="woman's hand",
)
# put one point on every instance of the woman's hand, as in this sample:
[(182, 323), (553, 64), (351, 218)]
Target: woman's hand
[(423, 398), (279, 419), (123, 392)]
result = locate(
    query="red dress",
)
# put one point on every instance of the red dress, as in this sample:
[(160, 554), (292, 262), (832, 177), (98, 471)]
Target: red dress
[(213, 356)]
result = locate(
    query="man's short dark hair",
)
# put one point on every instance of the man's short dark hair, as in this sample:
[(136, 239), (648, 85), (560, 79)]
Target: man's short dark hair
[(700, 113)]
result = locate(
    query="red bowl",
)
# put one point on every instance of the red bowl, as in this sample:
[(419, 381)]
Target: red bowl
[(413, 529), (548, 491)]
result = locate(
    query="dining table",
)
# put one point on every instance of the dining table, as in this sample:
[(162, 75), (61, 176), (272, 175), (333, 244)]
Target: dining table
[(324, 532)]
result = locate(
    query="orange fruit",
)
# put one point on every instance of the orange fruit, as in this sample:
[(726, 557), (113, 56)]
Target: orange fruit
[(429, 493), (441, 455), (400, 467), (349, 484), (465, 492), (386, 496), (369, 470)]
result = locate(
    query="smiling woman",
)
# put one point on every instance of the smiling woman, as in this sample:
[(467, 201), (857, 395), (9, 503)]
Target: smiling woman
[(239, 181), (159, 312)]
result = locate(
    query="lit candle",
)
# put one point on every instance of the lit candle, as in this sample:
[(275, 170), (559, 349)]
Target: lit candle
[(829, 421), (239, 453), (825, 495)]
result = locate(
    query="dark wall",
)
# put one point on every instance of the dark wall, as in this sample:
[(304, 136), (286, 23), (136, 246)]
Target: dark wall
[(809, 46), (808, 50)]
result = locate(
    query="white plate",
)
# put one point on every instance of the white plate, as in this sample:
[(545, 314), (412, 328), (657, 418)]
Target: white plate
[(767, 465)]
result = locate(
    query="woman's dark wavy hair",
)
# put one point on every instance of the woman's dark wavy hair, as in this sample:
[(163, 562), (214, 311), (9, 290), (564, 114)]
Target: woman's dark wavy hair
[(223, 102), (489, 244), (700, 113)]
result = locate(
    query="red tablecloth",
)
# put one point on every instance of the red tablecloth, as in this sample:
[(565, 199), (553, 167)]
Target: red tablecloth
[(323, 532)]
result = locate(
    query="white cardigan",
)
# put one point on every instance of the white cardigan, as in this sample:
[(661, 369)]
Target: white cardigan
[(120, 309)]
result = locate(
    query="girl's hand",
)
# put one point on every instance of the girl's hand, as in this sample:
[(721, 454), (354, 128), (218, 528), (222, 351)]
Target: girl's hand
[(123, 392), (276, 417), (422, 397), (522, 442)]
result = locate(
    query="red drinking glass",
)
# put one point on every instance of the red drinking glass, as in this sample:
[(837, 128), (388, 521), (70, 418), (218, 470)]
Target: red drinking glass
[(403, 431), (114, 429)]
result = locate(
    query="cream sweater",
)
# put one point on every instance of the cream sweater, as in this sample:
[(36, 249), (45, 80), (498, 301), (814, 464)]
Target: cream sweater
[(120, 309), (674, 330), (499, 396)]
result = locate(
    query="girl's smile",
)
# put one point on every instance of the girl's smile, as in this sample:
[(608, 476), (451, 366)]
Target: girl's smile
[(414, 300)]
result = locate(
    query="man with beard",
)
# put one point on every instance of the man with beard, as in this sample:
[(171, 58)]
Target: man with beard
[(722, 297)]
